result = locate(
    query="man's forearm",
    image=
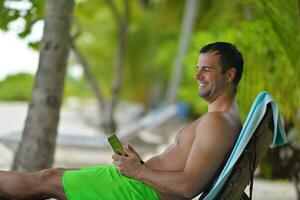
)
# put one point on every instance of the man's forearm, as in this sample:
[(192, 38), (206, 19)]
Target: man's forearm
[(169, 182)]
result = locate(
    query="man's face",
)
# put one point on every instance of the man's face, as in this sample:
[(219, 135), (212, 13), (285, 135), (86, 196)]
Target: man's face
[(210, 79)]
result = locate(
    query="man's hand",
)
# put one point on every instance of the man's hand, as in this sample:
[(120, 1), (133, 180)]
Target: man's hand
[(128, 165), (134, 151)]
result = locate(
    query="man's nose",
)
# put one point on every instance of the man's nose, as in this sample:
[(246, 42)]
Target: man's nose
[(198, 75)]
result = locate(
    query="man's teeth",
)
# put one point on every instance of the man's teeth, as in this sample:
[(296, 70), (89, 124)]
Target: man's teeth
[(202, 84)]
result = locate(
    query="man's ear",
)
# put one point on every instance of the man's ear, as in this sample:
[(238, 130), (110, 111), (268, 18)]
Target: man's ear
[(231, 73)]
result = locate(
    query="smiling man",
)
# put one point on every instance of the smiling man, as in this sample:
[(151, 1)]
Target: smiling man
[(182, 171)]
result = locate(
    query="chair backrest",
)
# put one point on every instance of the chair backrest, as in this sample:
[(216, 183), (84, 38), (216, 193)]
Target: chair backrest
[(254, 152)]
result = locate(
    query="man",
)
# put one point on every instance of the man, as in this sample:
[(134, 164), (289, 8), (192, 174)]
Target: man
[(182, 171)]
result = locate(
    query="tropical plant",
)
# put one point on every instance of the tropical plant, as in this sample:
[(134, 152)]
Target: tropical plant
[(16, 87)]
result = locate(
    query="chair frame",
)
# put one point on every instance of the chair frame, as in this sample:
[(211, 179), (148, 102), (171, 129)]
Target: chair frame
[(242, 173)]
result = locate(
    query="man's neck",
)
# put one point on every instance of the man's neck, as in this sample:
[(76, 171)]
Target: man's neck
[(224, 102)]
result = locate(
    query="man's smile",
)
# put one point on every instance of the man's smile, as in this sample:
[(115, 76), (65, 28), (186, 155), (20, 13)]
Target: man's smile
[(202, 84)]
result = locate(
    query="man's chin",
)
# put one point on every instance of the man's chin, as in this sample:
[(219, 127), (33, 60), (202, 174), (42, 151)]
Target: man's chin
[(203, 95)]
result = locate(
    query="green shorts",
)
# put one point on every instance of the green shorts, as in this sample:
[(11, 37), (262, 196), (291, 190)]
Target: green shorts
[(104, 182)]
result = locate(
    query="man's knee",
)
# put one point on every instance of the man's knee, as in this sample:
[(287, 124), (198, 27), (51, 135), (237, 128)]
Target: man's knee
[(50, 181), (49, 177)]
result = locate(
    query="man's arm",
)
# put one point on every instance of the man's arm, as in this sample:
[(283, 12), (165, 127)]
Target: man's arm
[(207, 154)]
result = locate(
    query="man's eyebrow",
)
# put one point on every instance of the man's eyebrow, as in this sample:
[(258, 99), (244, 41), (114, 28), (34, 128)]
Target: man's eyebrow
[(207, 66)]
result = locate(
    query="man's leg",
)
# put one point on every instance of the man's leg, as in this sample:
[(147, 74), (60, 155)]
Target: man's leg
[(39, 185)]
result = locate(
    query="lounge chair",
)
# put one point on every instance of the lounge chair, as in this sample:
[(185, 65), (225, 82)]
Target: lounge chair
[(262, 128)]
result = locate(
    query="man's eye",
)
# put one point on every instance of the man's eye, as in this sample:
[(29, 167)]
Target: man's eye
[(206, 69)]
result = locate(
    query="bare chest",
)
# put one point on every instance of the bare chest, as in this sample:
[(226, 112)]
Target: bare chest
[(175, 156)]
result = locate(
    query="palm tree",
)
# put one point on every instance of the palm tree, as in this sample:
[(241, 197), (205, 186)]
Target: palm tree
[(36, 150)]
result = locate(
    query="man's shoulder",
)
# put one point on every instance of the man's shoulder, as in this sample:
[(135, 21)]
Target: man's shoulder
[(214, 123), (214, 118)]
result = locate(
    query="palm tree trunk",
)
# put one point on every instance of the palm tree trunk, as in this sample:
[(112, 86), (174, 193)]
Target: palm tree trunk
[(37, 147)]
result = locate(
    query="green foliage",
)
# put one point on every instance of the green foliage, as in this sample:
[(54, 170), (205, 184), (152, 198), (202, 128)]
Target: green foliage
[(29, 15), (150, 50), (97, 40), (16, 87), (268, 65), (78, 88), (267, 32), (266, 169), (285, 21)]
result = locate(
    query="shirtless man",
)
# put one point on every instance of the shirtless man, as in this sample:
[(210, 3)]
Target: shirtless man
[(182, 171)]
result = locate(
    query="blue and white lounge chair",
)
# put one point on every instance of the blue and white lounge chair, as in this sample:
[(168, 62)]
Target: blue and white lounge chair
[(262, 128)]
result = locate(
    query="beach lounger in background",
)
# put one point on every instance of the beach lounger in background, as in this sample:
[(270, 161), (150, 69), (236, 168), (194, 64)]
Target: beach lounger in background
[(154, 118)]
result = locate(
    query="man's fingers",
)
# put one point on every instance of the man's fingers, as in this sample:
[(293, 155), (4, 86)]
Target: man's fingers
[(118, 164), (129, 152), (132, 149), (118, 157), (115, 157), (120, 167), (115, 163)]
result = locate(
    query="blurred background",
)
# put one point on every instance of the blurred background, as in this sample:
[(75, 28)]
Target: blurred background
[(129, 68)]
